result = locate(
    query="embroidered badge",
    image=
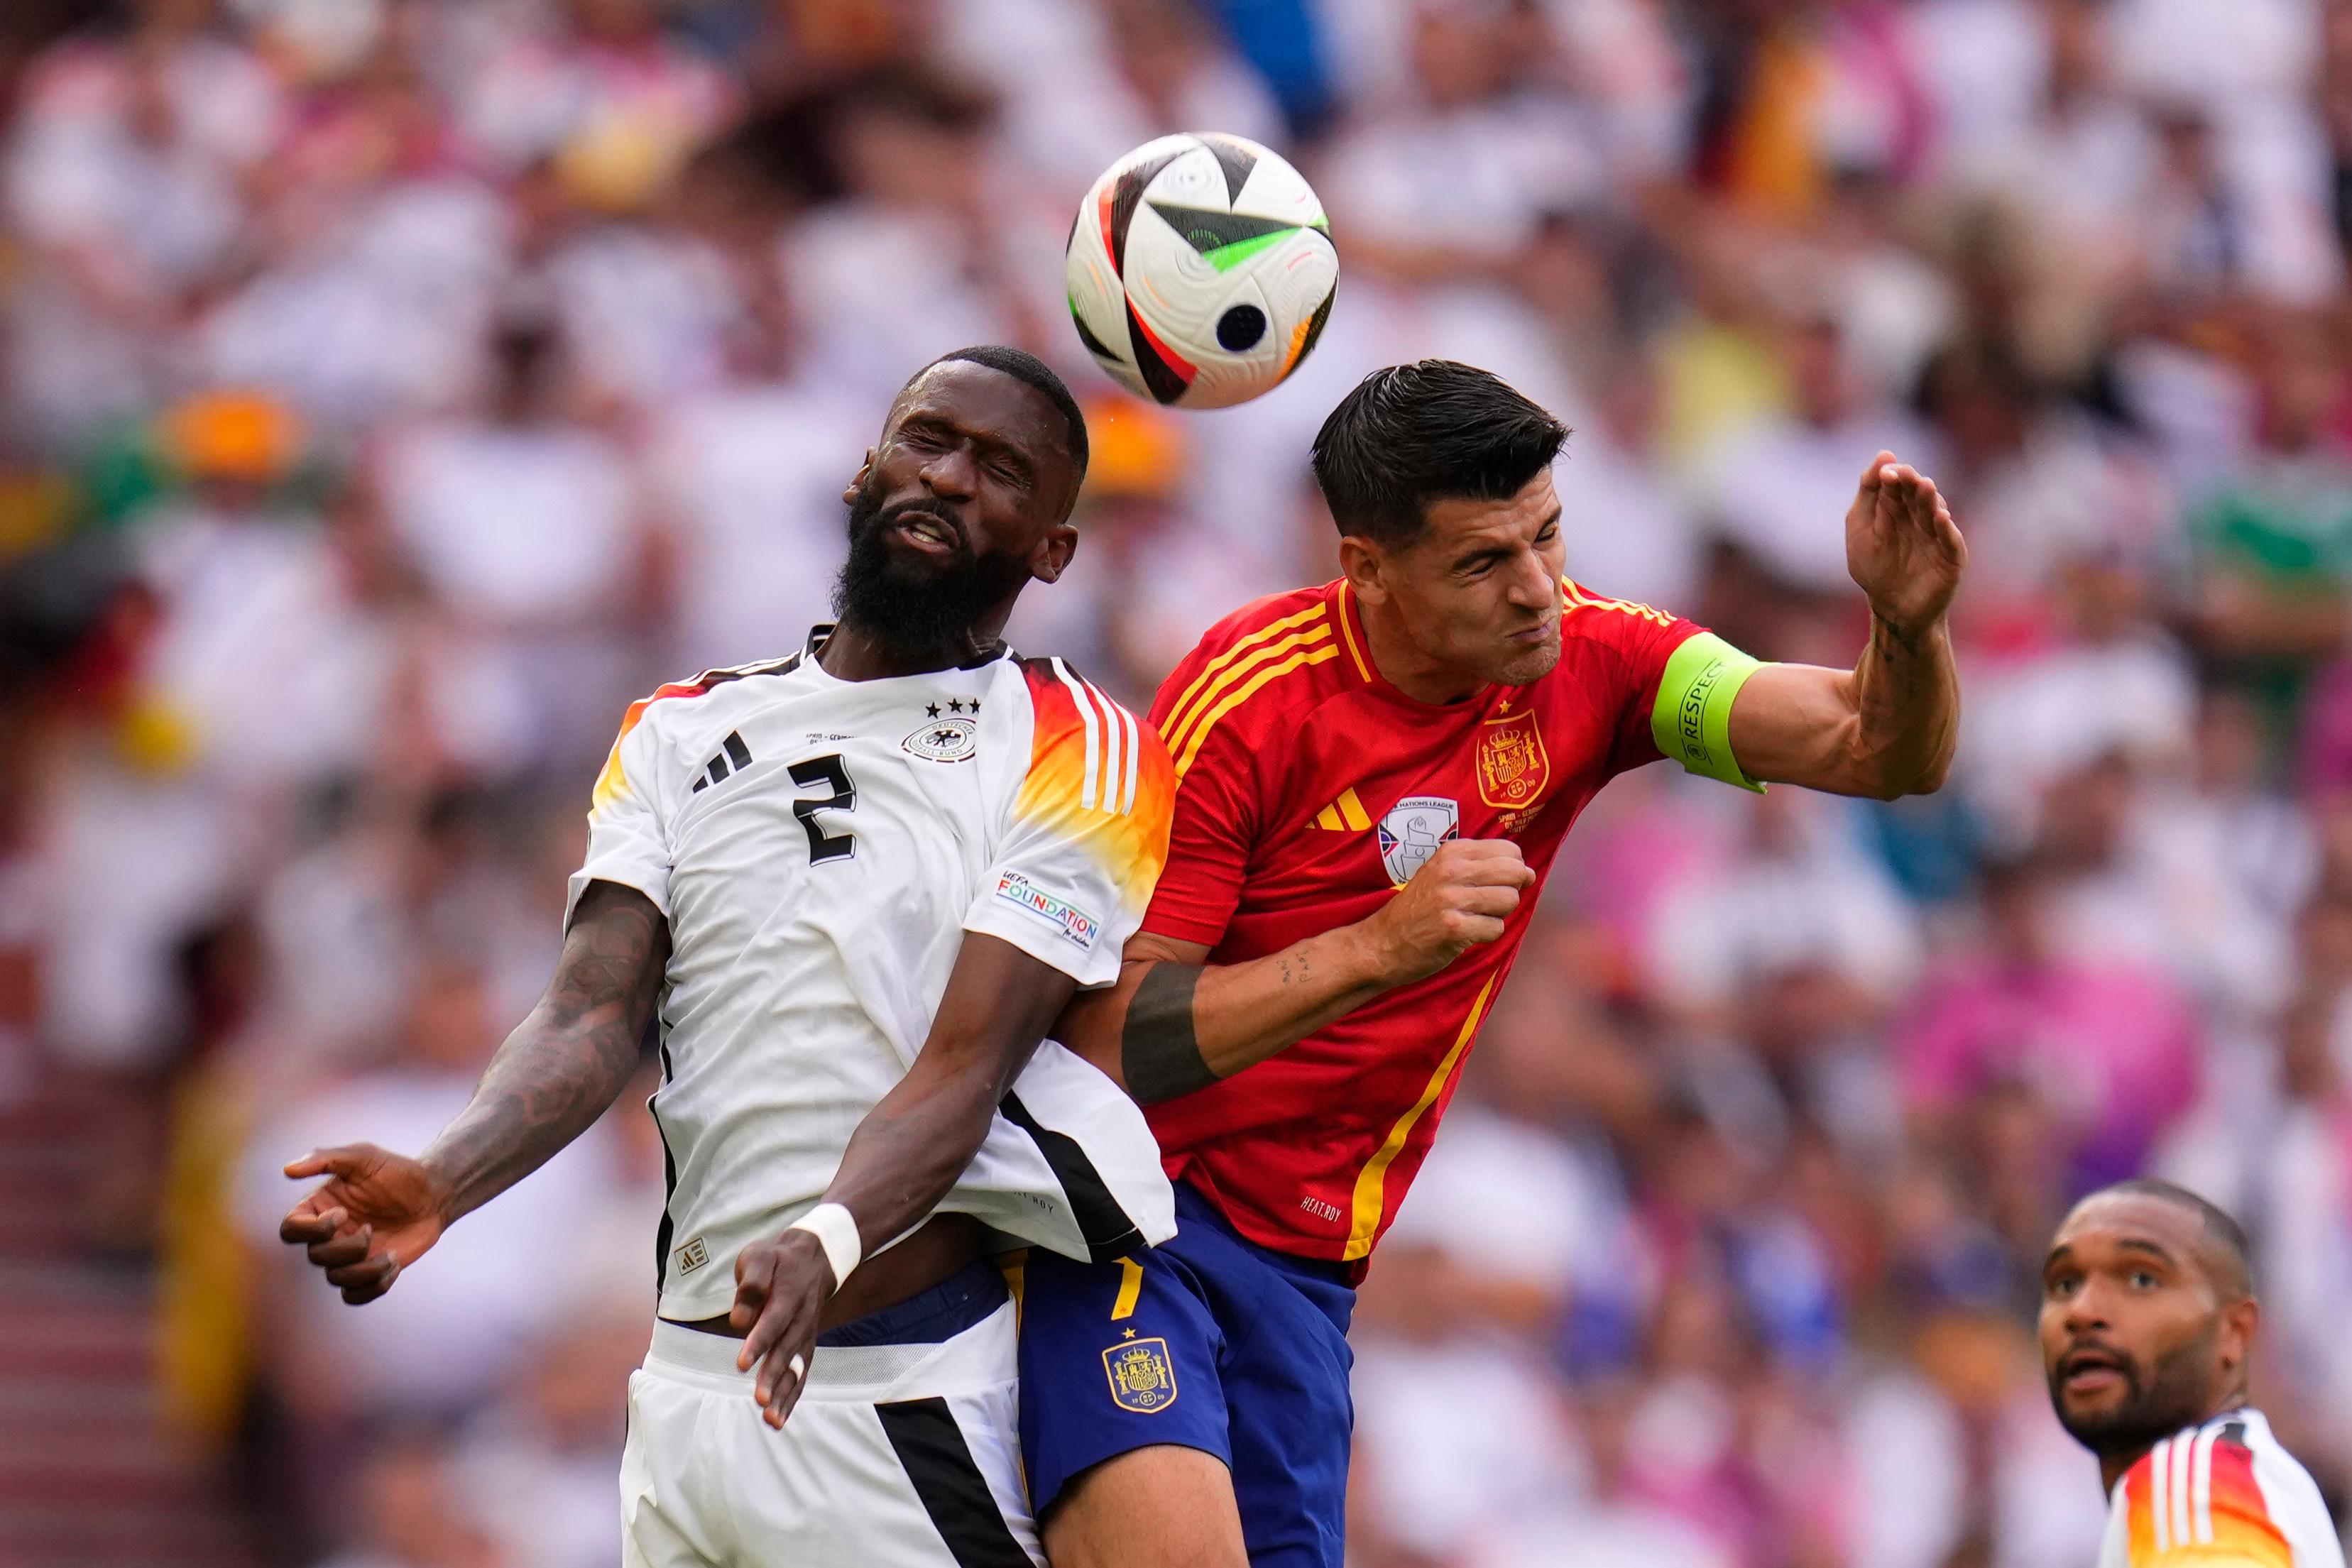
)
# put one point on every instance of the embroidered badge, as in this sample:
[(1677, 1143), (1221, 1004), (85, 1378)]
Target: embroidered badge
[(1141, 1377), (943, 741), (1513, 767)]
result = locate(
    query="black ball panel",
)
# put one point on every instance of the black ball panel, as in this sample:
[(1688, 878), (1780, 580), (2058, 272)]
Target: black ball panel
[(1241, 329)]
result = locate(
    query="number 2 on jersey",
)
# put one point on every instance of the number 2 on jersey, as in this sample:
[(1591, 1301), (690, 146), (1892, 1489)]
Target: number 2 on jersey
[(827, 770)]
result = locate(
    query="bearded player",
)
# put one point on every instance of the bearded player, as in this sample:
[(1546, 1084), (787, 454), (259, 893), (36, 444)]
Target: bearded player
[(855, 886), (2148, 1320), (1374, 776)]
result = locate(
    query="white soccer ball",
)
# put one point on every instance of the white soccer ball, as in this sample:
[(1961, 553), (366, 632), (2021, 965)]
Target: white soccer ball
[(1201, 270)]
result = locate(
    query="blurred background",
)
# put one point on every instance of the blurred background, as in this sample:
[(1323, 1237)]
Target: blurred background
[(391, 388)]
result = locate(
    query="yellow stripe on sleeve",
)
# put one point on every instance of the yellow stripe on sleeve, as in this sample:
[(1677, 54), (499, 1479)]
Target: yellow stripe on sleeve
[(1303, 658), (1241, 646), (1181, 724)]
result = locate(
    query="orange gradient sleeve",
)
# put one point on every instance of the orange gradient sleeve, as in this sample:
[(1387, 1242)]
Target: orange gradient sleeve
[(1087, 834), (626, 840), (2194, 1502)]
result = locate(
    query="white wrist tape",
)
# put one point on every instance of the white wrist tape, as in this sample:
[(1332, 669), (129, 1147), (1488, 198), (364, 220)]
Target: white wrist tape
[(836, 1230)]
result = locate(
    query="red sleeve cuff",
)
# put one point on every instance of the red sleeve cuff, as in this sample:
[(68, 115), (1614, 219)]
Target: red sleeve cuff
[(1159, 922)]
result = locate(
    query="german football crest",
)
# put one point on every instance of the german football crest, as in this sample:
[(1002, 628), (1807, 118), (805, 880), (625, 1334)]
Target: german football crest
[(1412, 832), (1513, 767), (943, 741), (1142, 1378)]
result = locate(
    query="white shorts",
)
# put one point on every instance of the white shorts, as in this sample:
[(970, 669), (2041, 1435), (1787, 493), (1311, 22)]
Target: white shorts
[(900, 1455)]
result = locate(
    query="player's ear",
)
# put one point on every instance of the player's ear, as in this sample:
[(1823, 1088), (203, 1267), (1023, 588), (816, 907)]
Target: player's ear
[(1361, 563), (2241, 1321), (849, 496), (1052, 555)]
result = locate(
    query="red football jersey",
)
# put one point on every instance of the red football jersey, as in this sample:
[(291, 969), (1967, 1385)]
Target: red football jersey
[(1310, 790)]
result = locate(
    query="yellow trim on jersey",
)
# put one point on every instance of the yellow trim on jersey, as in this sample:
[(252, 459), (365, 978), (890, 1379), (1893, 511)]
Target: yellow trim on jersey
[(1131, 1288), (1578, 598), (1347, 634), (1179, 725), (1303, 657), (1014, 1267), (1345, 814), (1240, 646), (1371, 1182)]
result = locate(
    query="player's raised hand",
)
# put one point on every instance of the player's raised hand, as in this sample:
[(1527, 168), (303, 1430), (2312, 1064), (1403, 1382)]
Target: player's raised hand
[(1902, 546), (377, 1213), (781, 1288), (1459, 898)]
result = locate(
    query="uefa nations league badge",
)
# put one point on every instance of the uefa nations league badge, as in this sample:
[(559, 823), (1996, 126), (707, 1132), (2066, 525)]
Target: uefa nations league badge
[(1412, 832)]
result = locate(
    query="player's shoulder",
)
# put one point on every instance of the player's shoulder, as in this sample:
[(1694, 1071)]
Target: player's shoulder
[(675, 707), (1258, 669), (1596, 617), (2228, 1483), (1300, 612), (1086, 744), (1060, 696)]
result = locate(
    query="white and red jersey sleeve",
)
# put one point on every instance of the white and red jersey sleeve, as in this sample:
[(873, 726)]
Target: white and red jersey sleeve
[(2222, 1495)]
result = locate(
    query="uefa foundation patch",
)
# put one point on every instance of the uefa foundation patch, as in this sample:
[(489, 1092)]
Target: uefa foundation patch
[(1067, 918)]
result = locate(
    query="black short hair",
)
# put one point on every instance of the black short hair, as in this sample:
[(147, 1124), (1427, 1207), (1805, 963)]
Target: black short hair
[(2223, 1232), (1433, 431), (1027, 367)]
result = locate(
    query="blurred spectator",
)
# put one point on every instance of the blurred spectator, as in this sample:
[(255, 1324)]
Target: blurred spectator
[(407, 1511), (531, 526), (390, 389), (2104, 1049)]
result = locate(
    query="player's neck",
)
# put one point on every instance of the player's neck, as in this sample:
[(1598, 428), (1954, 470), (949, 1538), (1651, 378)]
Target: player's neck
[(854, 654), (1403, 665), (2114, 1467)]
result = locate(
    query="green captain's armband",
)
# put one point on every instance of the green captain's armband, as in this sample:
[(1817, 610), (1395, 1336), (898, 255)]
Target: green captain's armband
[(1691, 720)]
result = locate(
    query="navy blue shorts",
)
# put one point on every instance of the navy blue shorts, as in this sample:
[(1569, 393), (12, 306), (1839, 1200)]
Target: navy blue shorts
[(1208, 1341)]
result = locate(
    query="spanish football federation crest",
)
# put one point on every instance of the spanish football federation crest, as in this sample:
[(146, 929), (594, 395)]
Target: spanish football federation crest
[(1412, 832), (1142, 1378), (1513, 767)]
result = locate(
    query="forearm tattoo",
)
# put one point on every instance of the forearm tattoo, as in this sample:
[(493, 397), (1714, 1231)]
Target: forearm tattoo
[(564, 1065), (1158, 1050)]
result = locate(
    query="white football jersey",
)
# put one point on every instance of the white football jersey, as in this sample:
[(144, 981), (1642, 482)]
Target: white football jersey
[(820, 848), (2225, 1492)]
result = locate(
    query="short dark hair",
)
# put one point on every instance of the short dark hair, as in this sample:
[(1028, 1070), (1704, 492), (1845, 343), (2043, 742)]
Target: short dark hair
[(1433, 431), (1027, 367), (2220, 1230)]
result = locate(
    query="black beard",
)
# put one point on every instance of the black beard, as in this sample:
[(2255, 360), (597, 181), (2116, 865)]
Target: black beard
[(912, 608), (2177, 1392)]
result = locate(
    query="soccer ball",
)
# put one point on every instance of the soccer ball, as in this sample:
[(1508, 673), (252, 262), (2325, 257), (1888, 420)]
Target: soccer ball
[(1201, 270)]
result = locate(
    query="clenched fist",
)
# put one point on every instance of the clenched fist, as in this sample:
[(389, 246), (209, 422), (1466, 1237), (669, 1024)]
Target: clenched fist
[(1459, 898)]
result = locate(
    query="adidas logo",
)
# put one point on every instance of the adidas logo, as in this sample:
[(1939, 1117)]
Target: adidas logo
[(715, 771), (1344, 815)]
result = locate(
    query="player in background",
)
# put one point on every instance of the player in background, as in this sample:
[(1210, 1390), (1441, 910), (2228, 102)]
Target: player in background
[(2148, 1321), (1374, 775), (856, 885)]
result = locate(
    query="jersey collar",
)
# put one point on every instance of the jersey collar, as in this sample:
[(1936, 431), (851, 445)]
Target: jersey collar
[(823, 630), (1349, 615)]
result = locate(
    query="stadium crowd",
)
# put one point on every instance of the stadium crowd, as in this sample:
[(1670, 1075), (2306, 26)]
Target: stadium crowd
[(394, 388)]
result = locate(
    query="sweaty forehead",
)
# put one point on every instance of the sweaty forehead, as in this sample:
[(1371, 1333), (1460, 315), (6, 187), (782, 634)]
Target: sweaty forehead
[(987, 403)]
